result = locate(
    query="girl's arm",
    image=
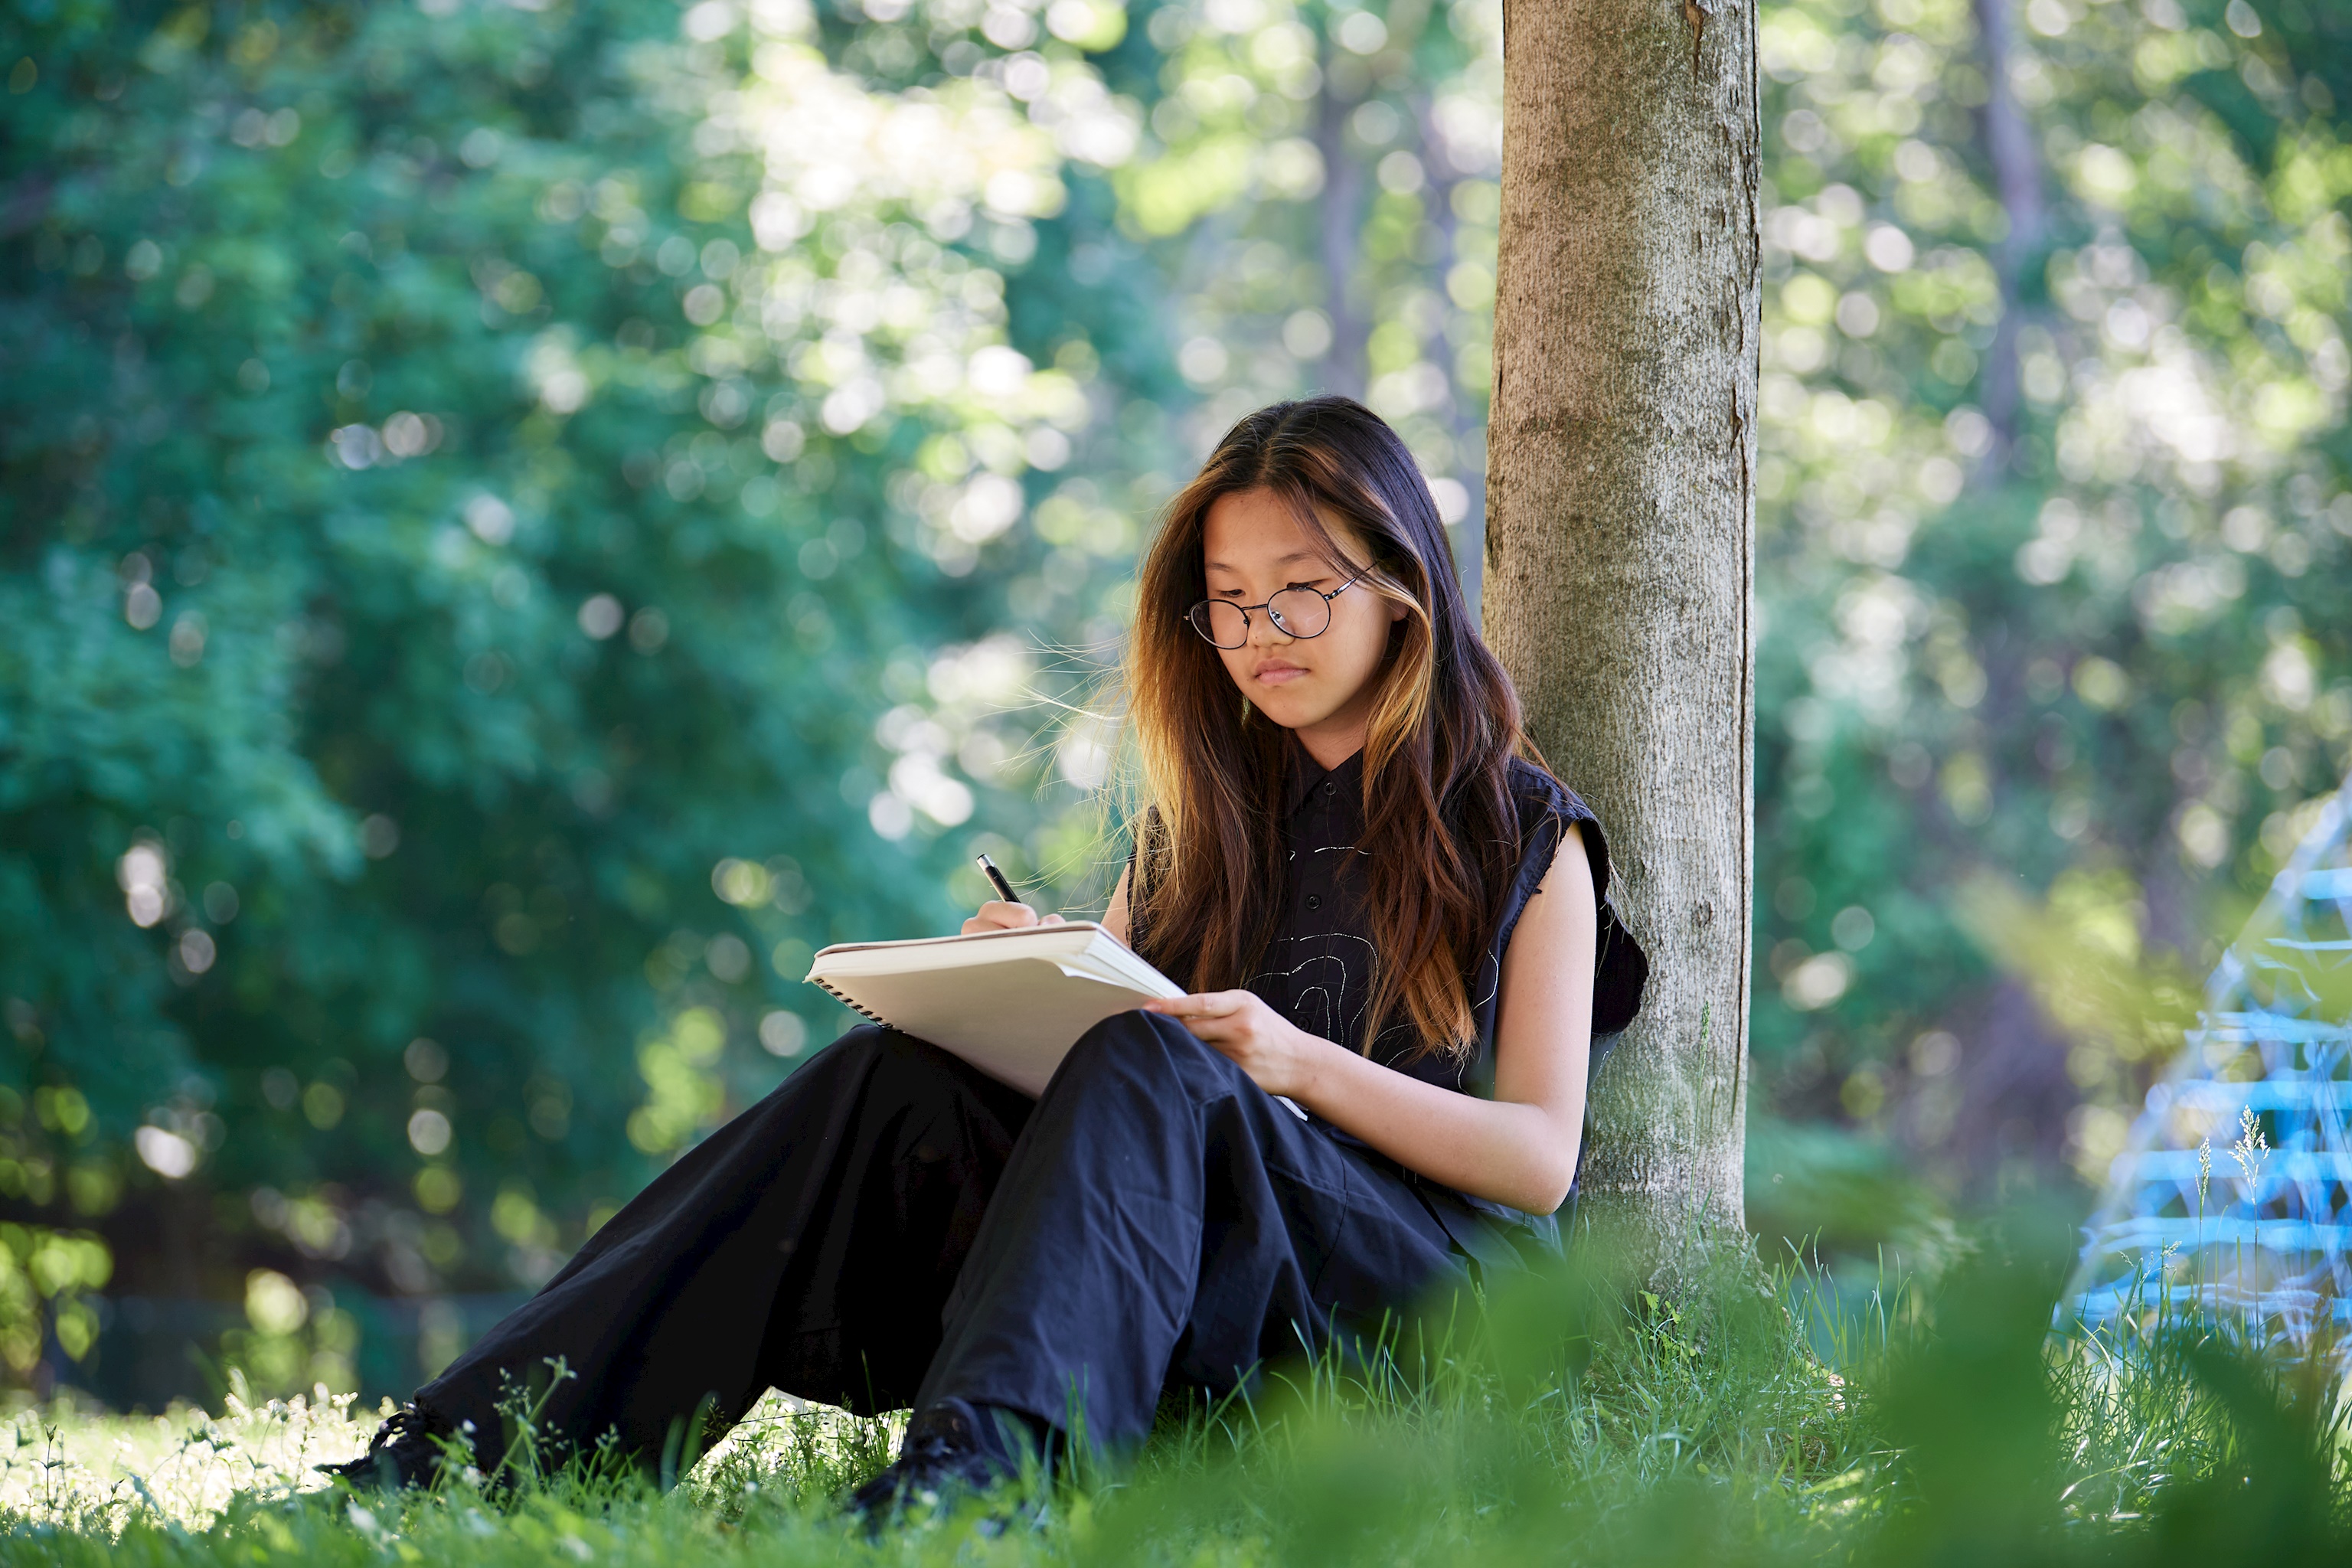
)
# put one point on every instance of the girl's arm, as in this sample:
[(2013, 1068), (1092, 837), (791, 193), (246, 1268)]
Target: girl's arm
[(1518, 1148), (1115, 918)]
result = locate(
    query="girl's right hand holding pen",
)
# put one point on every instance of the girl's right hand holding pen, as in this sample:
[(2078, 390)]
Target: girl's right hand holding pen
[(1005, 911), (998, 915)]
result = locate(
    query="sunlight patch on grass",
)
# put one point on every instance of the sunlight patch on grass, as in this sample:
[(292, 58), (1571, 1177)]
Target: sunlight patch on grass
[(65, 1467)]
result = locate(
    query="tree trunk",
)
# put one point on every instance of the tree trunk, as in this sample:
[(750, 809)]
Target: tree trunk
[(1470, 536), (1338, 225), (1619, 542), (2017, 181)]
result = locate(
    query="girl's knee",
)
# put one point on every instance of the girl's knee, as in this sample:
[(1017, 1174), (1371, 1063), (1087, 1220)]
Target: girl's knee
[(864, 1039), (917, 1061), (854, 1050), (876, 1055), (1145, 1044)]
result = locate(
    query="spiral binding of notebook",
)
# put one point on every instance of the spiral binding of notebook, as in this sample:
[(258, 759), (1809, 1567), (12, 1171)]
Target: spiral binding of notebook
[(828, 988)]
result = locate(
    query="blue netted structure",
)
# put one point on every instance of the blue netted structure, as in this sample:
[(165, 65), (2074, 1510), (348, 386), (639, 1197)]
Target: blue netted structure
[(2234, 1194)]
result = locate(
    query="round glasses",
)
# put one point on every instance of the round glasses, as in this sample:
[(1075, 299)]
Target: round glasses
[(1295, 612)]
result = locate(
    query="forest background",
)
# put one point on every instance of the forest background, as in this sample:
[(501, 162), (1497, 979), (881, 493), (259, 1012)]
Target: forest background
[(522, 521)]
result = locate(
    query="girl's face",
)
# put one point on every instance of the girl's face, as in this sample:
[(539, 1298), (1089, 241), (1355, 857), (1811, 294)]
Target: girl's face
[(1321, 686)]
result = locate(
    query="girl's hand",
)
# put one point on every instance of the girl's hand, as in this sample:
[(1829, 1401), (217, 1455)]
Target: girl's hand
[(997, 915), (1277, 1054)]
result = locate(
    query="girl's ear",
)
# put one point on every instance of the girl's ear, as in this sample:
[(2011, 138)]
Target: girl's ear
[(1396, 612)]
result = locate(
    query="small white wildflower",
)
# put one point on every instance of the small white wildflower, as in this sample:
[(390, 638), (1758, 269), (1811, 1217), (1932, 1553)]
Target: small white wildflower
[(2252, 1150)]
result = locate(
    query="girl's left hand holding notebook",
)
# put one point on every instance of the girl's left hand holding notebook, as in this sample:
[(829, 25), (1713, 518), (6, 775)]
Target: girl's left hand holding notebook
[(1278, 1055)]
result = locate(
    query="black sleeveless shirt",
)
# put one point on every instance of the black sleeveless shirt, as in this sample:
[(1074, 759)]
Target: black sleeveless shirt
[(1317, 970)]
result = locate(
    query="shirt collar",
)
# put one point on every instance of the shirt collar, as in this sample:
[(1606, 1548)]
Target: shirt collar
[(1305, 775)]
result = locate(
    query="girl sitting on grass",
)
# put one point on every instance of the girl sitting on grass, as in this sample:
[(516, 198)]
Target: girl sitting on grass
[(1389, 913)]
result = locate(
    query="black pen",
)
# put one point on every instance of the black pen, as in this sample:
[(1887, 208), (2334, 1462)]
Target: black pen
[(996, 879)]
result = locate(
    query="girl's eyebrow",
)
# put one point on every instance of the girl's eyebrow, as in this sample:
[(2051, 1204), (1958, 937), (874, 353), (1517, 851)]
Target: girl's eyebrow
[(1285, 561)]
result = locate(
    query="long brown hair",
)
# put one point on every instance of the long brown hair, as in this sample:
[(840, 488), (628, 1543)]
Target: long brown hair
[(1442, 835)]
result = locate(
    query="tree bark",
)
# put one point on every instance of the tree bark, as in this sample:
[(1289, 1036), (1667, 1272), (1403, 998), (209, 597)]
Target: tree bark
[(1619, 542), (1461, 424), (2017, 181), (1338, 226)]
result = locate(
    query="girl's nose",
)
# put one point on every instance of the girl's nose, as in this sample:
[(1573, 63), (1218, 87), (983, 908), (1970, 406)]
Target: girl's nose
[(1264, 632)]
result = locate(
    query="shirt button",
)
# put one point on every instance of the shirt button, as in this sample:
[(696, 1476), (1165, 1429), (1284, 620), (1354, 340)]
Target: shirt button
[(1331, 786), (1314, 900)]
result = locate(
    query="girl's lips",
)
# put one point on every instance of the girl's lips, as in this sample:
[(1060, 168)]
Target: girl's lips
[(1277, 674)]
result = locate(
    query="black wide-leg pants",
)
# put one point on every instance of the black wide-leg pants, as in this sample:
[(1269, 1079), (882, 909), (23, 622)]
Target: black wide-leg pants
[(891, 1227)]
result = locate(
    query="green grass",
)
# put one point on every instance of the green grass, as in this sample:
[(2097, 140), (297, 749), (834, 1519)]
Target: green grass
[(1565, 1421)]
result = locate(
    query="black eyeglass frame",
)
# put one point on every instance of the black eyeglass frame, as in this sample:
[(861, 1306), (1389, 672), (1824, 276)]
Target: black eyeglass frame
[(1193, 612)]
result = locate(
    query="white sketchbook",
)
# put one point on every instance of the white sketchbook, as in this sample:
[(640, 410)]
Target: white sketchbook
[(1011, 1002)]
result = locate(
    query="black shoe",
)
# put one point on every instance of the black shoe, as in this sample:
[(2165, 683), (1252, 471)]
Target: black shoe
[(951, 1452), (407, 1451)]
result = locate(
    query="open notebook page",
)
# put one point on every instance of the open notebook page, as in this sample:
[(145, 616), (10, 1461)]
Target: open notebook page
[(1011, 1002)]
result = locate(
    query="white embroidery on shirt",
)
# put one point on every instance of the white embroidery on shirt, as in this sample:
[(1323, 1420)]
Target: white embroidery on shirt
[(1319, 1001)]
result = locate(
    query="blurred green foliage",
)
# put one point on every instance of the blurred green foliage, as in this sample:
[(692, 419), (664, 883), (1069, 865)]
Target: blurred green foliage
[(475, 479), (523, 521), (2056, 542), (45, 1277)]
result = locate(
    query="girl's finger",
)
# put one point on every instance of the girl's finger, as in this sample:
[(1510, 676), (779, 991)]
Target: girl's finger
[(1210, 1004), (1209, 1031)]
